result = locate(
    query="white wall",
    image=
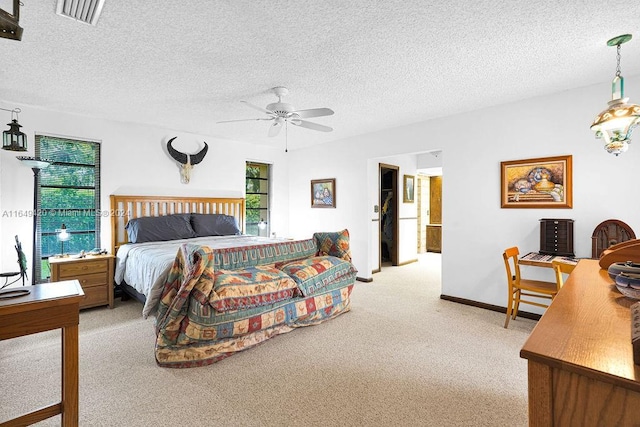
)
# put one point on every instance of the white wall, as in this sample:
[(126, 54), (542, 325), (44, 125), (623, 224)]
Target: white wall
[(475, 229), (133, 161), (431, 160)]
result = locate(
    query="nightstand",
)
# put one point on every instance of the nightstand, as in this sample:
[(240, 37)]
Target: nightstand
[(95, 274)]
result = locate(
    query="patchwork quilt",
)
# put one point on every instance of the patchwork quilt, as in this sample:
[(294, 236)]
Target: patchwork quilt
[(215, 303)]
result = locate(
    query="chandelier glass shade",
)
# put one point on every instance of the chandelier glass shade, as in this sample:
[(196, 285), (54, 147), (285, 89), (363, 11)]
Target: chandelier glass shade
[(616, 123)]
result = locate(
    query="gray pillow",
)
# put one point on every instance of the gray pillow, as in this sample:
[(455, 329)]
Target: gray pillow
[(214, 225), (160, 228)]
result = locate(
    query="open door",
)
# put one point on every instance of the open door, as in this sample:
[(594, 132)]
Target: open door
[(388, 252)]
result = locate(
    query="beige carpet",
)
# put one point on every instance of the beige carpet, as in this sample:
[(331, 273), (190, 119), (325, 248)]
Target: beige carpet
[(401, 356)]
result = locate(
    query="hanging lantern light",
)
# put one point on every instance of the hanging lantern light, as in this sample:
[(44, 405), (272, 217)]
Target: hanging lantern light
[(13, 139), (618, 120)]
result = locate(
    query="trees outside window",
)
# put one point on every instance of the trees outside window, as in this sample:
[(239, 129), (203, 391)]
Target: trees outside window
[(67, 192), (257, 198)]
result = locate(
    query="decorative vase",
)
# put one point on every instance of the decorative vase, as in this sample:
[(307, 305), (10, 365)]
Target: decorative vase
[(544, 186)]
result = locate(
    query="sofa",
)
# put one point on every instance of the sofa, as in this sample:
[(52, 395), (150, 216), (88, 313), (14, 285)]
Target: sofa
[(218, 302)]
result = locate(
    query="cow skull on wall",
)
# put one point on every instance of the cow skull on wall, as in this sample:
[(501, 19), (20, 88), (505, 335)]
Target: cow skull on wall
[(187, 161)]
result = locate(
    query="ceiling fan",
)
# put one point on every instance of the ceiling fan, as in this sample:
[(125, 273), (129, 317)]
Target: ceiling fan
[(281, 113)]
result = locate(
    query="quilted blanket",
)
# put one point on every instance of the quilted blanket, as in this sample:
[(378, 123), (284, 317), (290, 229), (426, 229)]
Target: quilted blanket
[(193, 330)]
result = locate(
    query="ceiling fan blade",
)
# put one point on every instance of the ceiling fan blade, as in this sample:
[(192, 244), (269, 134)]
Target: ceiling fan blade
[(313, 112), (242, 120), (264, 110), (311, 125), (275, 129)]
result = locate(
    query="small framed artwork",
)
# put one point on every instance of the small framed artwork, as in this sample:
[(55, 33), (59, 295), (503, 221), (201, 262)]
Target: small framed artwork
[(409, 181), (537, 183), (323, 193)]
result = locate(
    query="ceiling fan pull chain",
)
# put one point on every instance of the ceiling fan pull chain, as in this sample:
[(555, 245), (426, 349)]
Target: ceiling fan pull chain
[(286, 136)]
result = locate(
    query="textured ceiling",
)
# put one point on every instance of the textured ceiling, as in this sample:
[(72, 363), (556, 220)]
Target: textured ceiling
[(377, 64)]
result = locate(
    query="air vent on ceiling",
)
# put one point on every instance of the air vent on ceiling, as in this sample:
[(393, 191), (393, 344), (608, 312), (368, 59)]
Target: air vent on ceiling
[(87, 11)]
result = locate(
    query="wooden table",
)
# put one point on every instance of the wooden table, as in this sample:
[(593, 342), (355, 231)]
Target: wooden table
[(580, 358), (48, 306)]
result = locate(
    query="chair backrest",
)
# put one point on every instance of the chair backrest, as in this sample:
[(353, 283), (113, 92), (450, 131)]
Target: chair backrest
[(512, 268), (559, 268), (22, 260), (608, 233)]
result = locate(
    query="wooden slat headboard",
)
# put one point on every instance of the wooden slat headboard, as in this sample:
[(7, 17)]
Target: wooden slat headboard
[(126, 207)]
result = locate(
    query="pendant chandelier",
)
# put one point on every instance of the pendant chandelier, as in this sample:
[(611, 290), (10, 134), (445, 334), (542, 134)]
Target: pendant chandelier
[(617, 121)]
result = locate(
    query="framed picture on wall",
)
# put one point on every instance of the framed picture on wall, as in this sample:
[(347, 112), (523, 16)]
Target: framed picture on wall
[(408, 184), (537, 183), (323, 193)]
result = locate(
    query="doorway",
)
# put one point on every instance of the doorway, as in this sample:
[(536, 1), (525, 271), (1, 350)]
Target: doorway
[(388, 185)]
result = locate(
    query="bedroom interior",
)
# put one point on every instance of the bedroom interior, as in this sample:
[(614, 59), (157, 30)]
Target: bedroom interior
[(478, 98)]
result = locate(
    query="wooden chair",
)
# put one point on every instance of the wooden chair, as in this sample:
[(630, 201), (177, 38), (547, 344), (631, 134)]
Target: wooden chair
[(559, 268), (609, 233), (519, 288)]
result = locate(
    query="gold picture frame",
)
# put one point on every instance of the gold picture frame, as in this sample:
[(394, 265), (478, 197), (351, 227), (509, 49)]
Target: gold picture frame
[(408, 183), (323, 193), (544, 182)]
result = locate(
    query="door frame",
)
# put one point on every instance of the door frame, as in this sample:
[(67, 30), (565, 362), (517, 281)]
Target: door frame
[(382, 167)]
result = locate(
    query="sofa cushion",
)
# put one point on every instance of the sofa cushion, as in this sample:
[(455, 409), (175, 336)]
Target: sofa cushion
[(316, 273), (250, 287), (159, 228), (334, 244)]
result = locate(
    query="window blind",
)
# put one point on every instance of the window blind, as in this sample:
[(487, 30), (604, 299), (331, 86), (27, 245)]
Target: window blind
[(67, 192)]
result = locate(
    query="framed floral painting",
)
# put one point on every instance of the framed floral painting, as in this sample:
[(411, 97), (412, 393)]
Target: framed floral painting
[(537, 183), (323, 193)]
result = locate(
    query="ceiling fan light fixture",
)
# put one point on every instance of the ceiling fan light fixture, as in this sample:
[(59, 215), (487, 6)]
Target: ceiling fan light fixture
[(283, 113), (616, 123)]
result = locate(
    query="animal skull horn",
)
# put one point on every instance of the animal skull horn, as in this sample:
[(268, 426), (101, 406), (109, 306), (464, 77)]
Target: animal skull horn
[(187, 161)]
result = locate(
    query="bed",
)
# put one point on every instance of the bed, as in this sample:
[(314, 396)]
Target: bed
[(215, 291), (141, 268)]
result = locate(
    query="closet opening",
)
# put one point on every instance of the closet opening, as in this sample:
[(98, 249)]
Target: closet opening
[(388, 252)]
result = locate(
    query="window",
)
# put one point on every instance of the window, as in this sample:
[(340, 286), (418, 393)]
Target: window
[(67, 192), (257, 198)]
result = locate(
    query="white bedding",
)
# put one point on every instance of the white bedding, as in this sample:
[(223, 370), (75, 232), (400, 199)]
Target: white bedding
[(145, 266)]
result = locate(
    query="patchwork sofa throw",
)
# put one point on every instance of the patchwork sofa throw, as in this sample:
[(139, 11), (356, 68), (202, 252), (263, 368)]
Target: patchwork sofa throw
[(216, 303)]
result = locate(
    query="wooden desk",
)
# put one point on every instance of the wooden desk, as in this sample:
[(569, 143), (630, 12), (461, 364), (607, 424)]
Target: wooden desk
[(580, 359), (48, 306)]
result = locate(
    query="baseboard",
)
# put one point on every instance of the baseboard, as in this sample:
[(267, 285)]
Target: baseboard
[(362, 279), (525, 314), (379, 269)]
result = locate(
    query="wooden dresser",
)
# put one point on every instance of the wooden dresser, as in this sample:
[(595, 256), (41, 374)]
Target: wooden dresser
[(580, 358), (95, 274)]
